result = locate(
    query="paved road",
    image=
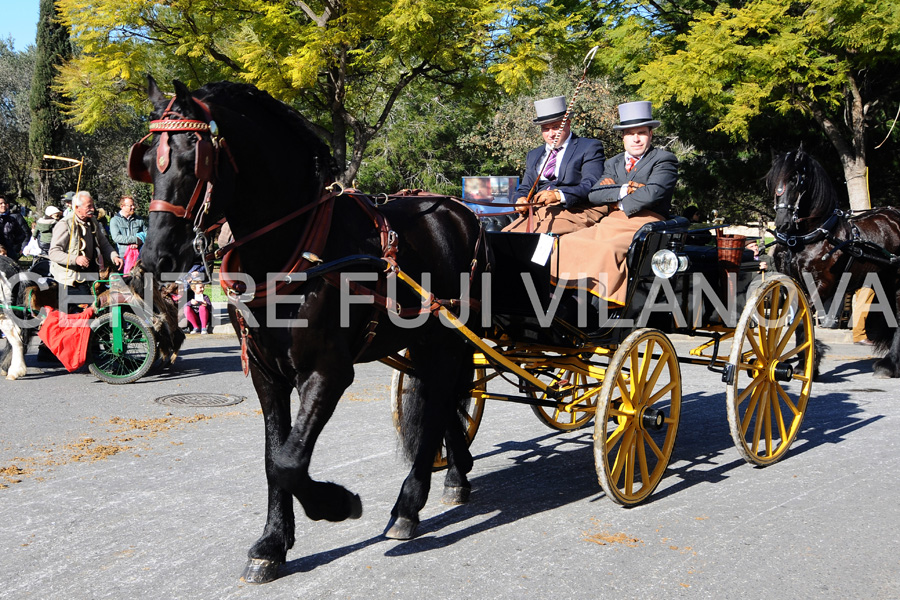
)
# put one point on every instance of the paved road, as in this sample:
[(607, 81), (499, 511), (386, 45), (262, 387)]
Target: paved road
[(109, 495)]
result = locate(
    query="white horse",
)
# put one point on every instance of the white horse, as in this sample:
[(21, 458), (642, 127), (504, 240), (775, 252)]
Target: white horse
[(12, 356)]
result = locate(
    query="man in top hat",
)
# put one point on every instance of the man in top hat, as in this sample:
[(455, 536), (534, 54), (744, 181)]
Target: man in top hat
[(637, 187), (565, 173)]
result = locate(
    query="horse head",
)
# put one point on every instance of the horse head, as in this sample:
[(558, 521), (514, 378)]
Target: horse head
[(182, 162), (801, 192)]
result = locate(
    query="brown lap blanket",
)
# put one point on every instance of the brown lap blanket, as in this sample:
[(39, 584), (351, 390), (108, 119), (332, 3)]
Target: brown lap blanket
[(594, 258)]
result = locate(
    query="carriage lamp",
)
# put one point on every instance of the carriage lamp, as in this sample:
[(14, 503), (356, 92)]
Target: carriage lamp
[(666, 263)]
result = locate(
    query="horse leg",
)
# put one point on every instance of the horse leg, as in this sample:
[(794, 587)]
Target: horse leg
[(16, 367), (319, 395), (270, 550), (888, 367), (457, 488), (437, 407)]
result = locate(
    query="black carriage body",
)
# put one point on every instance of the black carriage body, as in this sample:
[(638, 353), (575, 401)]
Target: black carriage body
[(703, 295)]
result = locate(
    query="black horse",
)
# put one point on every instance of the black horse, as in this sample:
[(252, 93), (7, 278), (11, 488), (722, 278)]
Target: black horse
[(270, 174), (832, 254)]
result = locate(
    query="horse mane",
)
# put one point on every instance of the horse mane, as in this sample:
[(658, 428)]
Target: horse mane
[(821, 197), (247, 99)]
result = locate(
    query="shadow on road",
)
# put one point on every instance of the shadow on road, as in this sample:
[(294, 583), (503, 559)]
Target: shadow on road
[(556, 469)]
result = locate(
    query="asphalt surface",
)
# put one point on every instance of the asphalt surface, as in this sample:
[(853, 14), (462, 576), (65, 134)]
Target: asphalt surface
[(105, 493)]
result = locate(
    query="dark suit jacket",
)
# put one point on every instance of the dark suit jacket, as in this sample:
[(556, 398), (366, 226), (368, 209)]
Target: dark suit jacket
[(581, 167), (657, 170)]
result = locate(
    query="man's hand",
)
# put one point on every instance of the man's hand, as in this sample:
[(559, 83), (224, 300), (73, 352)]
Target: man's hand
[(82, 261), (548, 197), (118, 262), (521, 202), (607, 181), (632, 186)]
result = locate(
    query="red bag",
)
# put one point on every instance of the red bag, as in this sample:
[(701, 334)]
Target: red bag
[(66, 335), (131, 257)]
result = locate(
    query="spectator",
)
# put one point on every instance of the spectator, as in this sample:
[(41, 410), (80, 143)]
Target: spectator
[(43, 233), (79, 249), (198, 307), (14, 232), (125, 227), (697, 238), (568, 171), (67, 203), (103, 219)]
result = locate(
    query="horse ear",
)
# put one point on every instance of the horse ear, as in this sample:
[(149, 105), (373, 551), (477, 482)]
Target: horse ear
[(183, 97), (154, 93)]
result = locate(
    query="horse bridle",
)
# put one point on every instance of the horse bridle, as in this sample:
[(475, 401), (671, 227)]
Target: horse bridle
[(206, 162)]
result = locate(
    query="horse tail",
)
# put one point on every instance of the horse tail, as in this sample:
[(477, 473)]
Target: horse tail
[(412, 415), (413, 411), (878, 329)]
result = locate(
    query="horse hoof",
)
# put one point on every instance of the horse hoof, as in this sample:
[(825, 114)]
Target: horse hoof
[(260, 570), (401, 529), (454, 495)]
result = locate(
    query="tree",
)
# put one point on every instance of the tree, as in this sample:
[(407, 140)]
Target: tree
[(345, 65), (828, 60), (47, 128), (16, 70)]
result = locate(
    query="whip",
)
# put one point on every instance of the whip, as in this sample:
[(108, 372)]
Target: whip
[(587, 63)]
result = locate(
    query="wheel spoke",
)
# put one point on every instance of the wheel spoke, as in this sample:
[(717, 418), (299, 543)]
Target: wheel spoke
[(777, 414), (751, 407), (752, 385), (665, 390), (629, 466), (652, 443), (622, 453), (642, 458), (787, 400)]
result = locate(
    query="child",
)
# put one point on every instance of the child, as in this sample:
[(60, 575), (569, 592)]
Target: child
[(198, 305)]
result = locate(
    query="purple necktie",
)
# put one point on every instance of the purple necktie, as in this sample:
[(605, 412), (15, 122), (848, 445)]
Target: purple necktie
[(550, 167)]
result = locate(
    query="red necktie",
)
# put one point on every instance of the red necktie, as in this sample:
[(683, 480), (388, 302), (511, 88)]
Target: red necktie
[(629, 163)]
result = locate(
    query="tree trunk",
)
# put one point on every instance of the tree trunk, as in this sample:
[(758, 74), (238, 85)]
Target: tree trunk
[(857, 182)]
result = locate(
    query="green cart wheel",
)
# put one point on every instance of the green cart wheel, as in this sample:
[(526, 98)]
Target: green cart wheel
[(121, 348)]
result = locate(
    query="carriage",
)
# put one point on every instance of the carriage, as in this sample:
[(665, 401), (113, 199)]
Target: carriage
[(628, 378), (303, 323)]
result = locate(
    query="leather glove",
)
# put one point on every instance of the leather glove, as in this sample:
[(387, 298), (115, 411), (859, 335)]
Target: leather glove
[(547, 197), (633, 185)]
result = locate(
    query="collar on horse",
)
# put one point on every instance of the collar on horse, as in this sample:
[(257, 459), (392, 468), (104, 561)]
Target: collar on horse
[(819, 233), (856, 247)]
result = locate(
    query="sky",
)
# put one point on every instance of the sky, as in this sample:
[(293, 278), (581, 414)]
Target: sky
[(18, 19)]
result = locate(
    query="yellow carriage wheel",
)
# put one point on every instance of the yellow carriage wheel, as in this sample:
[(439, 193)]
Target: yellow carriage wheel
[(470, 415), (637, 416), (772, 369), (580, 389)]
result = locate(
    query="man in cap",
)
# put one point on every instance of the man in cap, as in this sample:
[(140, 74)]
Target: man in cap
[(67, 204), (43, 232), (79, 249), (637, 187), (564, 172)]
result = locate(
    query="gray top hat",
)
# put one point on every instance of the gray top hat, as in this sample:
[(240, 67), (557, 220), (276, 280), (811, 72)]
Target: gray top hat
[(635, 114), (550, 109)]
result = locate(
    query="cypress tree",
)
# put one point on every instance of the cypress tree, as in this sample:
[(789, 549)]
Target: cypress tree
[(47, 128)]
